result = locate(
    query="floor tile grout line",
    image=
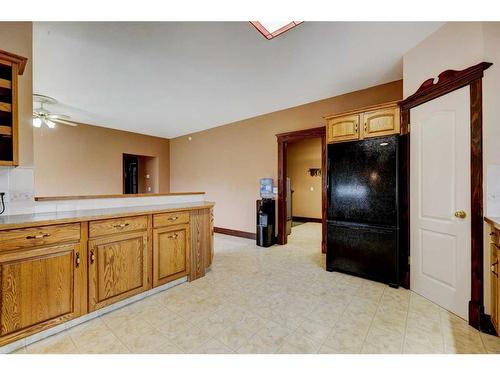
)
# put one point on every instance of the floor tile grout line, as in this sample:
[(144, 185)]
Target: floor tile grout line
[(373, 318), (406, 323)]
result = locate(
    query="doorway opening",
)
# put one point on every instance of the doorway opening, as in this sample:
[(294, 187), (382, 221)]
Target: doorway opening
[(289, 146), (304, 183), (140, 174)]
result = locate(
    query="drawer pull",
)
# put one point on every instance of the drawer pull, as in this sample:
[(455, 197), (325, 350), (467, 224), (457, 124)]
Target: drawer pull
[(121, 226), (77, 260), (174, 236), (92, 257), (38, 236), (173, 218)]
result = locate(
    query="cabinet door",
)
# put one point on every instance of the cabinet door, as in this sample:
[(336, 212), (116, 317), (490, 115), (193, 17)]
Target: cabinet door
[(39, 288), (117, 268), (344, 128), (494, 285), (381, 122), (171, 255)]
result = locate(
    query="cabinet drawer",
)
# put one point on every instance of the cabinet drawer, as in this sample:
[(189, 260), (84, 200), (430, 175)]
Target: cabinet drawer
[(15, 239), (171, 218), (114, 226)]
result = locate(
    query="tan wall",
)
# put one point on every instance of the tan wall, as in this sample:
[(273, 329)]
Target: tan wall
[(301, 157), (228, 161), (16, 37), (86, 159)]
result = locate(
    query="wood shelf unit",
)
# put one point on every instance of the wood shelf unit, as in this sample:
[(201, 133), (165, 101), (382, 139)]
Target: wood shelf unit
[(5, 131), (11, 66), (5, 83), (5, 107)]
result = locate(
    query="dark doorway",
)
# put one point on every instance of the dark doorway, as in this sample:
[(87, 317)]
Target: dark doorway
[(130, 174)]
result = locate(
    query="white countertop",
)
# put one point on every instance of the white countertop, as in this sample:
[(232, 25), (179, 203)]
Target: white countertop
[(48, 218)]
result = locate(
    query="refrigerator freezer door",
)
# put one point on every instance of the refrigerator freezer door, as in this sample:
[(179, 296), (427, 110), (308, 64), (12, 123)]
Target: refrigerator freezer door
[(365, 251), (362, 181)]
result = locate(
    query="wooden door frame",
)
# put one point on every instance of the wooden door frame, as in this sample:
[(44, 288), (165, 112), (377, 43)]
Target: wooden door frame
[(283, 140), (448, 81)]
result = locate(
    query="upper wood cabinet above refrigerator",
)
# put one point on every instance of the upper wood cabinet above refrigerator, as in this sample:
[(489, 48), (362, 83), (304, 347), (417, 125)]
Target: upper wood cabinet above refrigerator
[(374, 121)]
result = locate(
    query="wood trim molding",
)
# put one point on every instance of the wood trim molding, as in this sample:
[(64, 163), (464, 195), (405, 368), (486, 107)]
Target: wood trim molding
[(283, 140), (14, 59), (235, 233), (448, 81), (107, 196)]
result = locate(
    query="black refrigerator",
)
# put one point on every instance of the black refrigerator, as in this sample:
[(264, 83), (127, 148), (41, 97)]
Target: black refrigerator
[(362, 209)]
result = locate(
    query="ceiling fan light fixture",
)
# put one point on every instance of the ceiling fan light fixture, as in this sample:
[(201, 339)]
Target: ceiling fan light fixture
[(50, 124), (37, 122)]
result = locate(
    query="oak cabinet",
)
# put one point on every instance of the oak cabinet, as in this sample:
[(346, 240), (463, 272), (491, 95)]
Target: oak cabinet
[(171, 258), (344, 128), (494, 281), (39, 288), (374, 121), (117, 268), (381, 122), (494, 285), (50, 274)]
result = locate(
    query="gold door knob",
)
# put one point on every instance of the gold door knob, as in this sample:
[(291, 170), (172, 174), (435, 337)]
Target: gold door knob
[(460, 214)]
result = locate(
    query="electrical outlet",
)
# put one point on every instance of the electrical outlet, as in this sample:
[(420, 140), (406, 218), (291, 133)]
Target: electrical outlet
[(21, 196)]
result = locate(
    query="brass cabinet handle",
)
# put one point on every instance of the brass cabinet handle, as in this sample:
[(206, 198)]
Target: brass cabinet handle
[(77, 260), (172, 218), (356, 128), (366, 126), (460, 214), (121, 226), (92, 257), (174, 236), (38, 236)]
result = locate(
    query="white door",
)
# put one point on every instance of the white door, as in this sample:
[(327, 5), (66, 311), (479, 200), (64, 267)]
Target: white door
[(440, 246)]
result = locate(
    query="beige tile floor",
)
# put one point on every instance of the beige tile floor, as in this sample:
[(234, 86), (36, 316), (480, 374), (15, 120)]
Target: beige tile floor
[(274, 300)]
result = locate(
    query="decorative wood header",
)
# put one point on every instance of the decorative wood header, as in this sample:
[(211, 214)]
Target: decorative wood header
[(14, 59), (448, 81)]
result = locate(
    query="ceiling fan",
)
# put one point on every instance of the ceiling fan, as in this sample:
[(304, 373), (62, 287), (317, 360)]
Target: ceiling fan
[(43, 116)]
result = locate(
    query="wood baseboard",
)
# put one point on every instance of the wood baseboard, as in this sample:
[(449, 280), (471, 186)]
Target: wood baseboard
[(235, 233), (306, 219)]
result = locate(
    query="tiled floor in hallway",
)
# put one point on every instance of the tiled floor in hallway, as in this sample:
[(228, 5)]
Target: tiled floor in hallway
[(274, 300)]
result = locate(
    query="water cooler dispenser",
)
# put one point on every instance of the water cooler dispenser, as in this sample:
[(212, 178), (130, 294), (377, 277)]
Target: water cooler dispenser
[(266, 214)]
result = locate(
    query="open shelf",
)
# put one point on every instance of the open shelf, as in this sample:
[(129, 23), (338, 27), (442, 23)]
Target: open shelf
[(5, 107), (5, 130), (11, 66), (5, 83)]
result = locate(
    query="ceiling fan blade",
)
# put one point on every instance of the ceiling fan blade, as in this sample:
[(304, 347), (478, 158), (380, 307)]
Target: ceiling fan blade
[(58, 116), (65, 122)]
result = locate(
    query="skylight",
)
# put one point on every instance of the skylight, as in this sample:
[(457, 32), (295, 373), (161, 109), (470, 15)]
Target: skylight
[(273, 29)]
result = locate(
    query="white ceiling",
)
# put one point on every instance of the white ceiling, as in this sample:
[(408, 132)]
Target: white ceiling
[(169, 79)]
